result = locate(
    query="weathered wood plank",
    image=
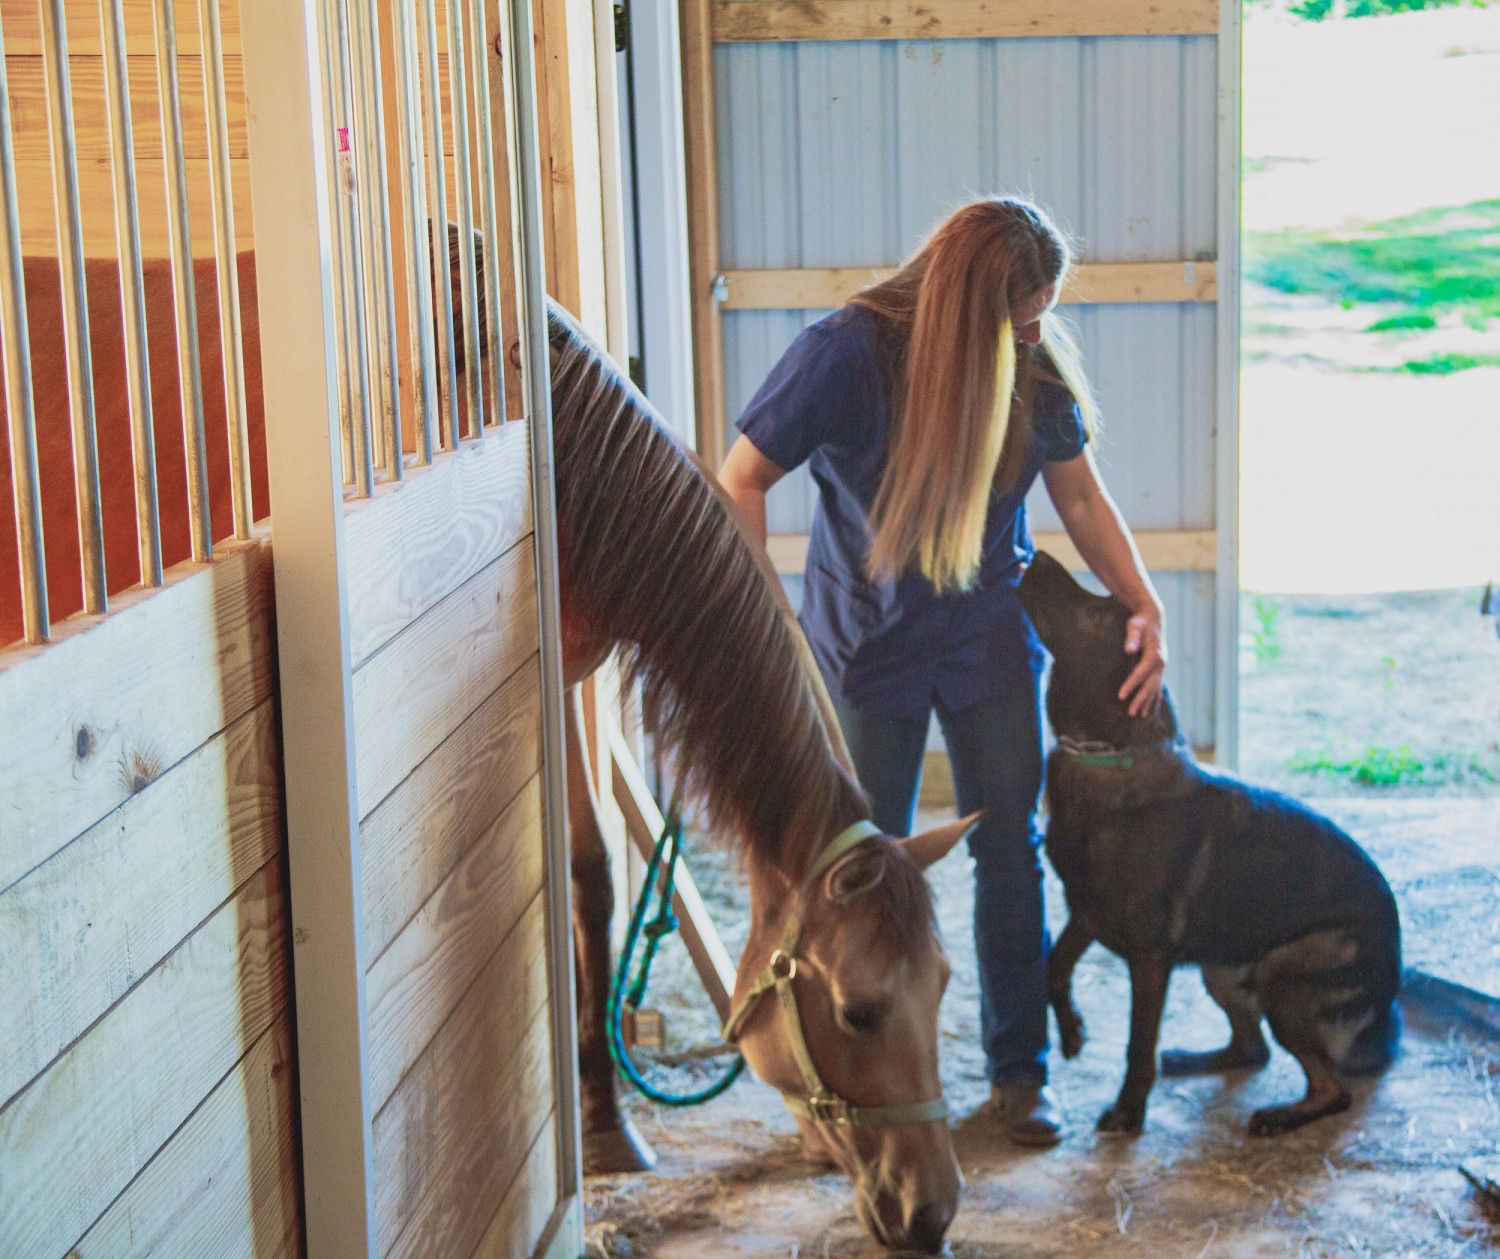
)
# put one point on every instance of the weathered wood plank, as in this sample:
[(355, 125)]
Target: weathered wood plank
[(419, 831), (77, 1136), (529, 1202), (452, 1136), (419, 687), (80, 930), (226, 1184), (1164, 550), (113, 702), (419, 540), (1091, 283), (430, 966), (759, 20)]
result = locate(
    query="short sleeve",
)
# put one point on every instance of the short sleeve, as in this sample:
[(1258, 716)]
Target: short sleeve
[(1058, 423), (813, 395)]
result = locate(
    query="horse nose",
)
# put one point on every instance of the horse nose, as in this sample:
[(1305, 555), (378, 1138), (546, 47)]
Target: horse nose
[(927, 1227)]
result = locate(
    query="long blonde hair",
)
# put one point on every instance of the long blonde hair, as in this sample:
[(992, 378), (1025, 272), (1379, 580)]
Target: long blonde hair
[(956, 376)]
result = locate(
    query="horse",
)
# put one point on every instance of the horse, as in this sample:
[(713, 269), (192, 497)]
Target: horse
[(837, 992)]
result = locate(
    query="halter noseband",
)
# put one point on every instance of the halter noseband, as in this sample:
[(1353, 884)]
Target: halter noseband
[(821, 1104)]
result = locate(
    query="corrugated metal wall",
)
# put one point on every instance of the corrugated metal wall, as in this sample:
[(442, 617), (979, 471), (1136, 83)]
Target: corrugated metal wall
[(846, 154)]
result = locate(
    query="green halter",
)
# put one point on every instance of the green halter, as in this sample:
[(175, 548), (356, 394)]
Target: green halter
[(821, 1104)]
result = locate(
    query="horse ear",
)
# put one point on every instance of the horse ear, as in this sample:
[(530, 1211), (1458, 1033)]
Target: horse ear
[(929, 847), (856, 871)]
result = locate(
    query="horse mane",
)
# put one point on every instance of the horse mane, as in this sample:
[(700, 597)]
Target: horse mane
[(653, 563)]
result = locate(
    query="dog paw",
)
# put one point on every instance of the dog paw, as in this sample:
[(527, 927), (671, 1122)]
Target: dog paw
[(1274, 1120), (1122, 1120)]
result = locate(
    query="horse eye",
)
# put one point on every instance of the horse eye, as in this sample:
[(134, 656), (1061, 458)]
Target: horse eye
[(860, 1019)]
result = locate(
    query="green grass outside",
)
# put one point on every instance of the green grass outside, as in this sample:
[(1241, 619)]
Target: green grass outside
[(1395, 767)]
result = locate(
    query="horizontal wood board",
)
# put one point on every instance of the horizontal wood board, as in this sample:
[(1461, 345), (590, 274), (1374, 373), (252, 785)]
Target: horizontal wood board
[(83, 928), (113, 702)]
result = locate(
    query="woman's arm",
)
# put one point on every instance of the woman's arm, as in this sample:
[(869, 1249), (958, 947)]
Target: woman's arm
[(1098, 531), (746, 477)]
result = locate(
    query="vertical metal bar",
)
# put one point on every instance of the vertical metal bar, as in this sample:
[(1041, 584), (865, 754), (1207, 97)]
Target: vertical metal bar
[(375, 228), (533, 284), (75, 302), (419, 280), (18, 399), (230, 336), (132, 291), (463, 193), (291, 200), (480, 42), (338, 149), (189, 371), (437, 226)]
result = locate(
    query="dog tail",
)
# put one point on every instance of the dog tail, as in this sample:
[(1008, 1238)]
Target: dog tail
[(1375, 1048)]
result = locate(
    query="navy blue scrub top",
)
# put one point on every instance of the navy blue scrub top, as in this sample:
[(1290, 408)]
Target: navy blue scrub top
[(892, 648)]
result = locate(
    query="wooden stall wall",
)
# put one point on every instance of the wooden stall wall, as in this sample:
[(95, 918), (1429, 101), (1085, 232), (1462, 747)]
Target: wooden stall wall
[(147, 1083)]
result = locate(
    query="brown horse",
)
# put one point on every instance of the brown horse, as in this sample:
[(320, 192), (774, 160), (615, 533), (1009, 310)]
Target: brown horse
[(652, 562)]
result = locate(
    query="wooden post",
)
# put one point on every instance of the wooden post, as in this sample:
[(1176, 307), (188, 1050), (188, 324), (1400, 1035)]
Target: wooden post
[(290, 199)]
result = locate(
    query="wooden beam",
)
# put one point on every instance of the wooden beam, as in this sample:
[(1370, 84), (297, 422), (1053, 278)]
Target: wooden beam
[(1091, 283), (701, 161), (643, 821), (782, 20), (1164, 550)]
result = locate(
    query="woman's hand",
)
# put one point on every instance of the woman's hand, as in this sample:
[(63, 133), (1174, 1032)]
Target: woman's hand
[(1145, 637)]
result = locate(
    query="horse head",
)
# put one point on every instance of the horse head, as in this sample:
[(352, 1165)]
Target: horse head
[(836, 1006)]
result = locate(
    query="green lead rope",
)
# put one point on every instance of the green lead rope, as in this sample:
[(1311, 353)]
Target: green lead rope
[(661, 879)]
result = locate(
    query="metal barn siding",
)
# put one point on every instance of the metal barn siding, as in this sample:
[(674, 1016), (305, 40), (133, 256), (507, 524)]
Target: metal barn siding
[(846, 154)]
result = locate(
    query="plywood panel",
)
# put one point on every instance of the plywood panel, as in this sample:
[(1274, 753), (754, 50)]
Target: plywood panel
[(957, 19), (113, 703), (80, 930), (422, 828), (411, 694), (429, 967), (524, 1214), (450, 1141), (79, 1134), (226, 1184), (418, 541), (23, 27)]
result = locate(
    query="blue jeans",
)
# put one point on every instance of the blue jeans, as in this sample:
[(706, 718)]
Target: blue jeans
[(996, 752)]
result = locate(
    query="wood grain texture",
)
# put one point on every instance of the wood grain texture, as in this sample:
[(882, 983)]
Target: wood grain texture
[(430, 966), (77, 1136), (759, 20), (1090, 283), (418, 688), (701, 160), (418, 833), (1164, 550), (23, 28), (450, 1140), (226, 1184), (113, 702), (528, 1204), (80, 930), (418, 540)]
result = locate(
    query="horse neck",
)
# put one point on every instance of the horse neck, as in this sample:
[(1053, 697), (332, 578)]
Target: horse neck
[(653, 562)]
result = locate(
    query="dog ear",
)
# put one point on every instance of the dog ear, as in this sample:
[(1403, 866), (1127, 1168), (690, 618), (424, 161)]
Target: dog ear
[(929, 847)]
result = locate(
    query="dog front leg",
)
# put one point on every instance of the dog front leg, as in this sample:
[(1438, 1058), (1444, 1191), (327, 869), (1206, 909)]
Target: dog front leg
[(1071, 945), (1149, 974)]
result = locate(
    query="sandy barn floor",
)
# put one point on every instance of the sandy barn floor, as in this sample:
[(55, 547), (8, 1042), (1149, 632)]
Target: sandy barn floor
[(1378, 1181)]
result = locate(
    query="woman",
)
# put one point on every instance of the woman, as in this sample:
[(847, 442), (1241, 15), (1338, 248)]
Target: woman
[(927, 407)]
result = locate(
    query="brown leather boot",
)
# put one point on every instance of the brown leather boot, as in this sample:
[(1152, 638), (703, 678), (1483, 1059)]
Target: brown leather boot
[(1029, 1112)]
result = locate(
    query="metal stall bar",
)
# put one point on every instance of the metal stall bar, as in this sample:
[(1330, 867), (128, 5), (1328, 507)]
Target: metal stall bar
[(75, 303), (414, 211), (338, 148), (533, 286), (132, 291), (189, 369), (17, 349), (493, 324), (375, 229), (463, 193), (230, 338), (437, 224)]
